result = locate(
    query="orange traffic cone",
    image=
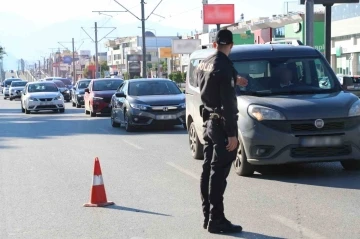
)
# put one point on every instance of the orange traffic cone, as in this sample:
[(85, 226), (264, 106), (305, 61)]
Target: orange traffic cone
[(98, 194)]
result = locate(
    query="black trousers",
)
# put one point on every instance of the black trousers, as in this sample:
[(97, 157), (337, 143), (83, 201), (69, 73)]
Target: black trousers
[(216, 168)]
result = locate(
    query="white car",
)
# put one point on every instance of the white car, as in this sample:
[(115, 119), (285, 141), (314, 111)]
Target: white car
[(39, 96), (16, 88)]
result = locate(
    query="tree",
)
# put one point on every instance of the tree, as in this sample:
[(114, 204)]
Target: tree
[(103, 67), (86, 72), (2, 52)]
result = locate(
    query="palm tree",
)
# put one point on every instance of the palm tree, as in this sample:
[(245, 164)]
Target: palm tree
[(2, 52)]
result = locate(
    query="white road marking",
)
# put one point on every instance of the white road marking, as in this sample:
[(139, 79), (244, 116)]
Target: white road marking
[(293, 225), (132, 144), (183, 170)]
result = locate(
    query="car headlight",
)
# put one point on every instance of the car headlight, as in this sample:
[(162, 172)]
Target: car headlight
[(33, 99), (260, 113), (59, 97), (139, 106), (98, 98), (183, 105), (355, 109)]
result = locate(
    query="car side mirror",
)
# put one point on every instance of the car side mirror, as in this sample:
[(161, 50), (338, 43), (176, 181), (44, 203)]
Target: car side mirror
[(184, 91), (87, 90), (120, 95)]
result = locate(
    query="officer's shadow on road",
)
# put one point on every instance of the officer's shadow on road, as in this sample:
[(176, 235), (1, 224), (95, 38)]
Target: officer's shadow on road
[(250, 235), (318, 174), (122, 208)]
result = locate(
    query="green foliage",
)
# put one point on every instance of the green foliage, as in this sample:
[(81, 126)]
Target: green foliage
[(164, 66), (103, 67), (86, 72), (136, 77), (126, 76), (177, 77), (2, 52)]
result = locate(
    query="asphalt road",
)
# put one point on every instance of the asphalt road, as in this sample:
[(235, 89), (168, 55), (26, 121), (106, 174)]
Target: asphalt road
[(46, 163)]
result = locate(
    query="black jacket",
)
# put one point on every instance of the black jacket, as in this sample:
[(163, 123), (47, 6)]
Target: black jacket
[(217, 81)]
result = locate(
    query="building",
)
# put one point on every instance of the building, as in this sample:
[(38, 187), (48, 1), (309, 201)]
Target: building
[(125, 54), (345, 36)]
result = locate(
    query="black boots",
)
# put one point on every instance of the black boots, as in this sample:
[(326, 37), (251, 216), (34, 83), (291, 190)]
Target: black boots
[(223, 225)]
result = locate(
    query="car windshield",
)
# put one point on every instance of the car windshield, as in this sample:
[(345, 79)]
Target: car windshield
[(65, 81), (7, 83), (287, 77), (41, 87), (83, 84), (103, 85), (151, 87), (59, 84), (18, 83)]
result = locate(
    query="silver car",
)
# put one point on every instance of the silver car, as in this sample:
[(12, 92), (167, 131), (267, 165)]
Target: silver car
[(7, 84), (304, 118), (16, 88)]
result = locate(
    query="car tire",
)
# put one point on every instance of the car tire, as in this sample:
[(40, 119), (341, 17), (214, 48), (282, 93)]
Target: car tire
[(92, 114), (128, 126), (61, 110), (27, 111), (11, 99), (195, 144), (241, 165), (78, 105), (351, 165), (113, 123), (73, 104)]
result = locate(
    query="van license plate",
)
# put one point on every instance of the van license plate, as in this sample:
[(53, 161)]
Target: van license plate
[(321, 141)]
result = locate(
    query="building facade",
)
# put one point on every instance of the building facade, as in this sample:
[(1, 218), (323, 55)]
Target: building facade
[(345, 36), (125, 54)]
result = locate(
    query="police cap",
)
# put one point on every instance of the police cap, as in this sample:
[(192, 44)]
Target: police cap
[(224, 37)]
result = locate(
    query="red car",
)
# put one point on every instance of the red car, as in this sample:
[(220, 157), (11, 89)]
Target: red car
[(98, 95)]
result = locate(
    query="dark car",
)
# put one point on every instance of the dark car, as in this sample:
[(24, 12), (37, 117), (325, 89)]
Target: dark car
[(293, 109), (350, 83), (98, 95), (145, 102), (63, 89), (77, 93)]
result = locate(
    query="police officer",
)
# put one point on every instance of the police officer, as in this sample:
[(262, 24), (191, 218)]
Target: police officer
[(217, 79)]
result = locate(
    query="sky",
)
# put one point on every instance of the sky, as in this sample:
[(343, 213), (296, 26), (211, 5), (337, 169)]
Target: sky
[(30, 34)]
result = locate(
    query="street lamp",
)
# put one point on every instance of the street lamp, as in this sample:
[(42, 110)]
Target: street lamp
[(157, 50)]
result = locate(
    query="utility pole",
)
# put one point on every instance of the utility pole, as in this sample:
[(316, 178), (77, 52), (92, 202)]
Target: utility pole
[(142, 19), (73, 61), (309, 23), (96, 52), (143, 38), (96, 41)]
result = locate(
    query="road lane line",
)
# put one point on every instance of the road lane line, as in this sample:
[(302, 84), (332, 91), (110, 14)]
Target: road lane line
[(183, 170), (298, 228), (132, 144)]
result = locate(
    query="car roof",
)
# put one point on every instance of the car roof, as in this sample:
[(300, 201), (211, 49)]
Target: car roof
[(261, 51), (107, 79), (84, 80), (148, 79), (41, 82), (57, 80), (14, 79), (19, 81)]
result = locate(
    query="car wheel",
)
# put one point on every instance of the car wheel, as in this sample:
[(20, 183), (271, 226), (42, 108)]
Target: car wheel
[(241, 165), (61, 110), (128, 126), (78, 105), (351, 164), (22, 108), (113, 123), (11, 99), (27, 111), (73, 104), (195, 145), (92, 114)]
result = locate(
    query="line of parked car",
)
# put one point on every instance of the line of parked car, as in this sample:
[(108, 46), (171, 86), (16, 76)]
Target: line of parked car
[(133, 103)]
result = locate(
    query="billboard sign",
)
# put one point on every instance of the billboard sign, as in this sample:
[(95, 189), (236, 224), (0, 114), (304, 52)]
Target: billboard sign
[(85, 54), (138, 57), (67, 59), (134, 66), (218, 13), (185, 46), (63, 67), (166, 52)]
